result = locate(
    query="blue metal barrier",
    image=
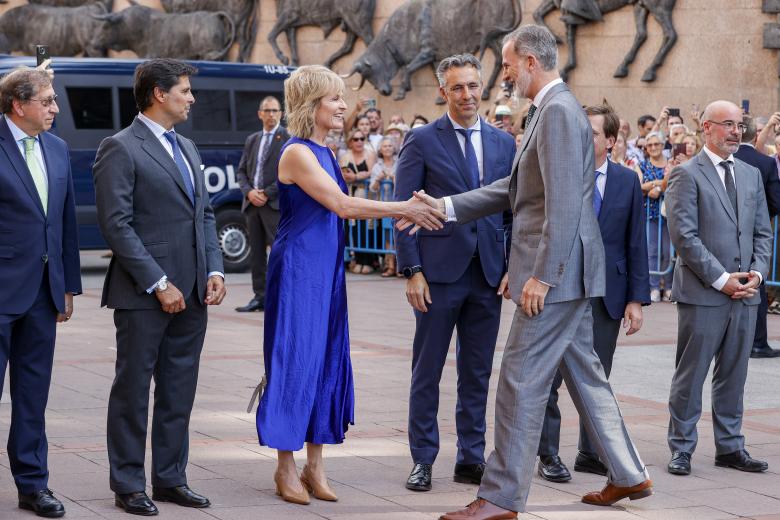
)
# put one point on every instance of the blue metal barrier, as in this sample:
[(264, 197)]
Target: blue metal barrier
[(658, 230), (373, 236)]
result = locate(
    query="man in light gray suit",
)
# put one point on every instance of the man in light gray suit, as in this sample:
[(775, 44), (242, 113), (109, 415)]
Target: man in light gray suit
[(154, 211), (719, 224), (556, 264)]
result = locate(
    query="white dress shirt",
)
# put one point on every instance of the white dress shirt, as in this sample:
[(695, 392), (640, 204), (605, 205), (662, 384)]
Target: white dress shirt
[(159, 132), (476, 141), (545, 89), (601, 180), (716, 160), (19, 136)]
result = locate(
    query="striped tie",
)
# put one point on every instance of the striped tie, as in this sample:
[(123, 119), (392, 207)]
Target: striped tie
[(38, 177)]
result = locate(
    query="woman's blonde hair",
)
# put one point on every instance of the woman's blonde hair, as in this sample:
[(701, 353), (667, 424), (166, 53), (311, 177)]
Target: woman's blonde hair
[(303, 91)]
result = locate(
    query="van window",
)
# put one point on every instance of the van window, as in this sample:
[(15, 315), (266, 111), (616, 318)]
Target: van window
[(211, 111), (247, 105), (90, 107), (127, 109)]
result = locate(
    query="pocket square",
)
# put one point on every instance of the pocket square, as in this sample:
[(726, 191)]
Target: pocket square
[(202, 167)]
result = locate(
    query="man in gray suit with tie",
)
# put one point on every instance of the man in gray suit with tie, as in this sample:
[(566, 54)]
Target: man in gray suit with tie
[(719, 224), (153, 209), (556, 265)]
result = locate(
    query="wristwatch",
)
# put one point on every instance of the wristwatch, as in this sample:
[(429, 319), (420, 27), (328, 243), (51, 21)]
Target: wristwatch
[(162, 286), (408, 272)]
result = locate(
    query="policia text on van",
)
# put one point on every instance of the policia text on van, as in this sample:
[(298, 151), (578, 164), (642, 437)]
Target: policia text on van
[(96, 100)]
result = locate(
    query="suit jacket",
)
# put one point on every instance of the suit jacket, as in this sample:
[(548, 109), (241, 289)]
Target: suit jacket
[(148, 220), (245, 176), (710, 239), (768, 168), (431, 159), (555, 236), (622, 225), (27, 235)]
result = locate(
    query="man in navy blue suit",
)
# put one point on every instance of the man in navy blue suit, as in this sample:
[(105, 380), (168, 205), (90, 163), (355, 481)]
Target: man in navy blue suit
[(617, 201), (454, 275), (39, 270), (768, 167)]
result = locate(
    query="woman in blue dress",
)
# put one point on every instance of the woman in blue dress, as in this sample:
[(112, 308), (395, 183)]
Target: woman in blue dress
[(309, 396)]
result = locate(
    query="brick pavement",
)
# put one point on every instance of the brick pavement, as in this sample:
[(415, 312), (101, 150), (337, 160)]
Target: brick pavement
[(369, 469)]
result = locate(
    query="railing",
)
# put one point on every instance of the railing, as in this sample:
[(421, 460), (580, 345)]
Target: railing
[(373, 236)]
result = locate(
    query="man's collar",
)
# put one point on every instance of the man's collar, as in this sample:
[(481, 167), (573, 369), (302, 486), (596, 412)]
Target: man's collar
[(748, 144), (157, 129), (603, 167), (476, 126), (272, 131), (540, 95), (715, 158), (17, 132)]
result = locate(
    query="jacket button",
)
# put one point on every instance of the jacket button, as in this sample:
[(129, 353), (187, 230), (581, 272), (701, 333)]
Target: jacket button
[(45, 258), (736, 259)]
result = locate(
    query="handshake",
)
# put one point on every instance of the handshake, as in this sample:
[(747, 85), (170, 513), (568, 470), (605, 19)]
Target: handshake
[(421, 211)]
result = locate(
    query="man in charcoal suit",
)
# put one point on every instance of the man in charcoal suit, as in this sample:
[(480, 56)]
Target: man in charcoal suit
[(153, 209), (256, 176), (619, 209), (719, 225)]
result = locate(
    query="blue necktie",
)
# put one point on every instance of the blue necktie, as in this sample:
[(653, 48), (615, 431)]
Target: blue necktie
[(471, 158), (178, 158), (597, 200)]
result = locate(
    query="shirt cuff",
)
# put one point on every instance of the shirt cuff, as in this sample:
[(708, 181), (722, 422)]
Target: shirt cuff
[(720, 282), (216, 273), (449, 209), (151, 289), (760, 278)]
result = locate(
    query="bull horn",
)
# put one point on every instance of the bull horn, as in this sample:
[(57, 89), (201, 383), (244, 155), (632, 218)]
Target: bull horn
[(347, 76), (362, 82)]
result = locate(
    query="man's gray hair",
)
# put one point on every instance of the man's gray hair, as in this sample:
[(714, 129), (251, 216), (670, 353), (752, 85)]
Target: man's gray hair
[(458, 60), (21, 84), (536, 41)]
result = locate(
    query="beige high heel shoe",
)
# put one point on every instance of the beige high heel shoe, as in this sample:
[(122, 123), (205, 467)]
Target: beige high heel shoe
[(290, 495), (320, 490)]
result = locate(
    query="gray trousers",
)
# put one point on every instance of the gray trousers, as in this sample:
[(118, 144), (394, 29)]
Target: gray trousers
[(725, 333), (560, 336)]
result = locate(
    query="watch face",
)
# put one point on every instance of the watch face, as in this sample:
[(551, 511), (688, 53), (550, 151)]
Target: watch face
[(407, 272)]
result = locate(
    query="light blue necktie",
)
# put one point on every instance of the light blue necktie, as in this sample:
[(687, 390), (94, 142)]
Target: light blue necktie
[(597, 200)]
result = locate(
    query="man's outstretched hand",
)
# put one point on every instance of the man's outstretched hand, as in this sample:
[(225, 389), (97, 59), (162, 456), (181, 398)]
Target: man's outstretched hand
[(432, 207)]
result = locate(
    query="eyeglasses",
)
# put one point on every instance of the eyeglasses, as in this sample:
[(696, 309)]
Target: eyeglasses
[(270, 110), (730, 125), (46, 102), (652, 145), (358, 138)]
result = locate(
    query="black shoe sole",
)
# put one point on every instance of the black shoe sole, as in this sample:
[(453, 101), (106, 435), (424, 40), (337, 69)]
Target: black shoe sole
[(740, 468), (589, 469), (463, 479), (678, 471), (53, 514), (558, 480), (121, 506), (158, 498), (413, 487)]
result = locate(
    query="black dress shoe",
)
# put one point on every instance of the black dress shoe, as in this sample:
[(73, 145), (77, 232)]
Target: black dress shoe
[(181, 495), (587, 463), (420, 477), (742, 461), (254, 304), (764, 352), (469, 473), (680, 463), (137, 503), (552, 468), (43, 503)]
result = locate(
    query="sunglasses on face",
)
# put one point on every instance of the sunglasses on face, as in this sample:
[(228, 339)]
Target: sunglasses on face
[(359, 139)]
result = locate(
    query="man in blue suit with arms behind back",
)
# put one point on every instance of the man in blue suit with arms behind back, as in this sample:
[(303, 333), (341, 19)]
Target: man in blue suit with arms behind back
[(454, 273), (620, 213), (39, 270)]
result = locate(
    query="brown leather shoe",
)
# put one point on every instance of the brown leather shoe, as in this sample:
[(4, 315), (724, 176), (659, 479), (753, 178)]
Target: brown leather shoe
[(480, 509), (611, 494)]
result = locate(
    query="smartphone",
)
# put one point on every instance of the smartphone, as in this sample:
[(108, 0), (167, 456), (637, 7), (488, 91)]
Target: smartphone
[(41, 53), (679, 149), (674, 112), (746, 106), (369, 103)]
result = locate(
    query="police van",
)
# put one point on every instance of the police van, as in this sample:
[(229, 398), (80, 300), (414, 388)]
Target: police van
[(95, 98)]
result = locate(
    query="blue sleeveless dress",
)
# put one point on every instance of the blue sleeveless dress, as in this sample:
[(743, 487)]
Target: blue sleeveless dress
[(309, 396)]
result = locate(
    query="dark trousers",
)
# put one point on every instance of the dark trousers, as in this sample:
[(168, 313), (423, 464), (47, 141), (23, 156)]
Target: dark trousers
[(605, 334), (27, 346), (166, 347), (471, 306), (262, 222), (760, 338)]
